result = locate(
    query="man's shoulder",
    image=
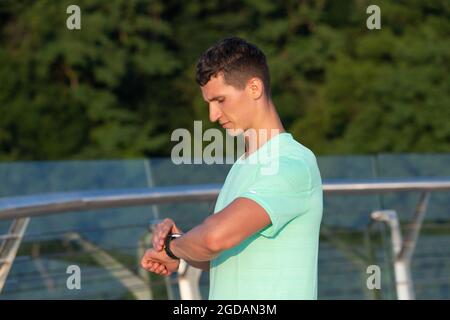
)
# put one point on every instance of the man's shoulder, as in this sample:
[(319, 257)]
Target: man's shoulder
[(298, 163), (292, 153), (291, 148), (286, 172)]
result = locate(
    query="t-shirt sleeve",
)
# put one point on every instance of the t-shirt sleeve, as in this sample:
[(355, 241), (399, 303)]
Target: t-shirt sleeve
[(285, 195)]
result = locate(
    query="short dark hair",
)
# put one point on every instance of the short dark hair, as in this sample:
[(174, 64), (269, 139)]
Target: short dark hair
[(238, 60)]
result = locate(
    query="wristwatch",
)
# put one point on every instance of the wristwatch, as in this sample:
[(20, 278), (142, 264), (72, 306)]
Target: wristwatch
[(169, 238)]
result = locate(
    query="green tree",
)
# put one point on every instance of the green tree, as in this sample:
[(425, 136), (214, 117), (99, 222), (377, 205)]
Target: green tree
[(119, 86)]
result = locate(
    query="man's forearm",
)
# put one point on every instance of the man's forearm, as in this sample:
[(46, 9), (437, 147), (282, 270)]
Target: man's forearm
[(203, 265), (196, 245)]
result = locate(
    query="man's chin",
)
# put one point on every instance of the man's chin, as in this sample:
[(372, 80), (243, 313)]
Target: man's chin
[(234, 132)]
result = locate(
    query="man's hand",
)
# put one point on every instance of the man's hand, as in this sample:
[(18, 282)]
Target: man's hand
[(158, 262), (159, 235), (161, 231)]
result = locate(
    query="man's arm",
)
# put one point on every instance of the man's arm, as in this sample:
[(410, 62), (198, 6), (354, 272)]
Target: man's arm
[(221, 231), (203, 265)]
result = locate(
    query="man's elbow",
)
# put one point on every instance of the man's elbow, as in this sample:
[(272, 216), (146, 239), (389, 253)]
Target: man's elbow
[(216, 242), (213, 244)]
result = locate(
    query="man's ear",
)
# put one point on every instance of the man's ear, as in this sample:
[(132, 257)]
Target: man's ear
[(255, 87)]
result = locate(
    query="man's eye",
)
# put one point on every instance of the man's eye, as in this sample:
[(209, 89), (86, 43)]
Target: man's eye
[(220, 101)]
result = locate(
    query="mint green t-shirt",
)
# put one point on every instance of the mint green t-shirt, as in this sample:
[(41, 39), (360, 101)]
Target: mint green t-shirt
[(279, 261)]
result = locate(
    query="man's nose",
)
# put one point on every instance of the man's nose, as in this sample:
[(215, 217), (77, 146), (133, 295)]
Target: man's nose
[(214, 112)]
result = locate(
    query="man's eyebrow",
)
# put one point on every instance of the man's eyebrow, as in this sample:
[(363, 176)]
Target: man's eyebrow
[(215, 98)]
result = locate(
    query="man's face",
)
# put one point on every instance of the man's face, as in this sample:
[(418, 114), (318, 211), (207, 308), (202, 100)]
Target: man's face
[(228, 105)]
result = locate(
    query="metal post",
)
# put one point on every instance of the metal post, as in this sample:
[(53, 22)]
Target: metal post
[(402, 271), (10, 246), (188, 280)]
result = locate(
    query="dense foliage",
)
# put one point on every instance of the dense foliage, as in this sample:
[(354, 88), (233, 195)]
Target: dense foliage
[(119, 86)]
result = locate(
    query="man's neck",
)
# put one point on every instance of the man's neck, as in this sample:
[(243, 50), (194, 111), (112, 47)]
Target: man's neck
[(265, 127)]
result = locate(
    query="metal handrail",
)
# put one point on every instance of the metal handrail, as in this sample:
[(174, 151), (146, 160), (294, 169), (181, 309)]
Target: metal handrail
[(52, 203), (24, 207)]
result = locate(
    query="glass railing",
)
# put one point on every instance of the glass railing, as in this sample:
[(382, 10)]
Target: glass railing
[(53, 242)]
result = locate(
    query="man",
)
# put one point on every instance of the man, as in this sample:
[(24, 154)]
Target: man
[(262, 240)]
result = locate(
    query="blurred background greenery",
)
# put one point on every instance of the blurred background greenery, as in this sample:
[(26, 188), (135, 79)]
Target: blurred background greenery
[(118, 87)]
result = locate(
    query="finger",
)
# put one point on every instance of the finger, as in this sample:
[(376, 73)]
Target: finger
[(148, 254), (157, 230), (153, 268), (161, 268), (164, 231), (144, 260), (156, 266), (158, 270), (166, 224), (155, 240), (156, 237), (149, 259), (147, 264), (159, 241), (160, 234)]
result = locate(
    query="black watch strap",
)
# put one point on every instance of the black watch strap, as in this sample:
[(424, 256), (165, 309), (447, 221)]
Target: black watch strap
[(169, 238)]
